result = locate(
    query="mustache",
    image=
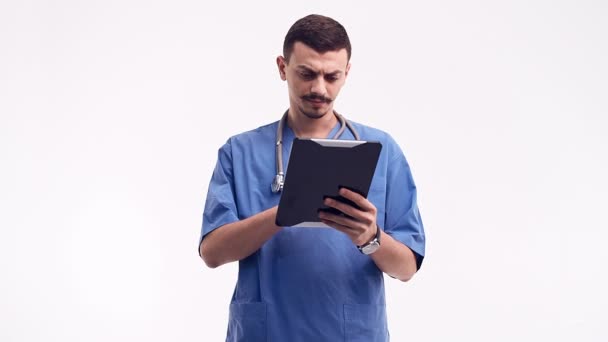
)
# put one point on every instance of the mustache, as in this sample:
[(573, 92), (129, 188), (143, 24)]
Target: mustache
[(316, 97)]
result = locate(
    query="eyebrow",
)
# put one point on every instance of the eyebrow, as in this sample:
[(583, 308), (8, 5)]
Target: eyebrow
[(307, 69)]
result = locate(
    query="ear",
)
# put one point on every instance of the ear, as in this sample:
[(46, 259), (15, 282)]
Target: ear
[(347, 69), (281, 65)]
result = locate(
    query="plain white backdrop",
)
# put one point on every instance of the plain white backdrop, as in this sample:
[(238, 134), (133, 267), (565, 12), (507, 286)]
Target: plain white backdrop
[(111, 114)]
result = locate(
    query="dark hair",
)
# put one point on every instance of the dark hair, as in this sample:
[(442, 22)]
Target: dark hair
[(319, 32)]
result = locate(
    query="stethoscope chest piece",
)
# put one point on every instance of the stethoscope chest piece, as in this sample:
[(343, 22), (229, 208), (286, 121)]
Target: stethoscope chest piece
[(277, 183)]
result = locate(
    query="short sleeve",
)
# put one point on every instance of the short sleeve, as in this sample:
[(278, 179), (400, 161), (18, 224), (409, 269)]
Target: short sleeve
[(403, 221), (220, 205)]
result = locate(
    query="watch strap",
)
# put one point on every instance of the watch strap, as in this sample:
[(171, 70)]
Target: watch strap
[(375, 239)]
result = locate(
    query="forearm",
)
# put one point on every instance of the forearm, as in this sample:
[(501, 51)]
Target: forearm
[(238, 240), (394, 258)]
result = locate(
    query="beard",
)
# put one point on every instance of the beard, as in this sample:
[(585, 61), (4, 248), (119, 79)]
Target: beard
[(314, 114)]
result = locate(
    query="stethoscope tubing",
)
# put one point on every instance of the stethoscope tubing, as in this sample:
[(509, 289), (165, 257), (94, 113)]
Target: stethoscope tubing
[(277, 184)]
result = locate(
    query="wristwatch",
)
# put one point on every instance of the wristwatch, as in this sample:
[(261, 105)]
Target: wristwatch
[(373, 245)]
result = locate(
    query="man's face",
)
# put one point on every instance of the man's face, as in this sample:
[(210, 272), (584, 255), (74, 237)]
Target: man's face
[(314, 79)]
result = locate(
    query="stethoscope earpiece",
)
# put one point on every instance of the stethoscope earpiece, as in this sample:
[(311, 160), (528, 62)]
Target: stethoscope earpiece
[(279, 179)]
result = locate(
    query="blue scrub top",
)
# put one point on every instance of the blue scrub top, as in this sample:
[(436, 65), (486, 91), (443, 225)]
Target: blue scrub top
[(308, 284)]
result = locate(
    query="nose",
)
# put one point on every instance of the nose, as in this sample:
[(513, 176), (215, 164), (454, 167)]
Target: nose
[(318, 86)]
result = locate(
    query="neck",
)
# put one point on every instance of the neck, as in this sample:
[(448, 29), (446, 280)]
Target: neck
[(305, 127)]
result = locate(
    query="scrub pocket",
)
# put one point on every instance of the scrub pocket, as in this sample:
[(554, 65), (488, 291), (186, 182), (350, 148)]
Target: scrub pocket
[(365, 323), (247, 322)]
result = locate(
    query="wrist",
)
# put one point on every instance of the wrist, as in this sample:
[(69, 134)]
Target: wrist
[(373, 245)]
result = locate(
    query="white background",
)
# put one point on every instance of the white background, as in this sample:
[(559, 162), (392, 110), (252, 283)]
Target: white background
[(112, 113)]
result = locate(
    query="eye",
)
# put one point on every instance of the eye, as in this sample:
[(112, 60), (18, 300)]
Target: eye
[(332, 78), (307, 75)]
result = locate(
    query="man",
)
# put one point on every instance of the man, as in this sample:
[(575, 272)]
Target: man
[(310, 284)]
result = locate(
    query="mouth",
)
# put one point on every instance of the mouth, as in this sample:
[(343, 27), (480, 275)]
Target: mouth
[(317, 104), (316, 101)]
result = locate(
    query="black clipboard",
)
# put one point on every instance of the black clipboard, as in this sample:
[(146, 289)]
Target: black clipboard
[(317, 169)]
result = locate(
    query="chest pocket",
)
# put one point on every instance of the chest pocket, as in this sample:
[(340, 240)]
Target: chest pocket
[(365, 323)]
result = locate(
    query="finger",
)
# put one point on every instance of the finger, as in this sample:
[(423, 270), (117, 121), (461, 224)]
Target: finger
[(346, 230), (341, 220), (359, 200), (345, 208)]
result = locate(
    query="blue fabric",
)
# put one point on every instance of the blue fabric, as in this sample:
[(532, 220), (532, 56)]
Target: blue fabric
[(308, 284)]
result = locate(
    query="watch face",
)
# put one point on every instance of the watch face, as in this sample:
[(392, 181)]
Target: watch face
[(371, 248)]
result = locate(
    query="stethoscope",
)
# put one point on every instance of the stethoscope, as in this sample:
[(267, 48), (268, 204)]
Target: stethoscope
[(279, 179)]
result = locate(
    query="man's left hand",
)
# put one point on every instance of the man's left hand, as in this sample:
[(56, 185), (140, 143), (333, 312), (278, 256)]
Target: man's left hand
[(361, 225)]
